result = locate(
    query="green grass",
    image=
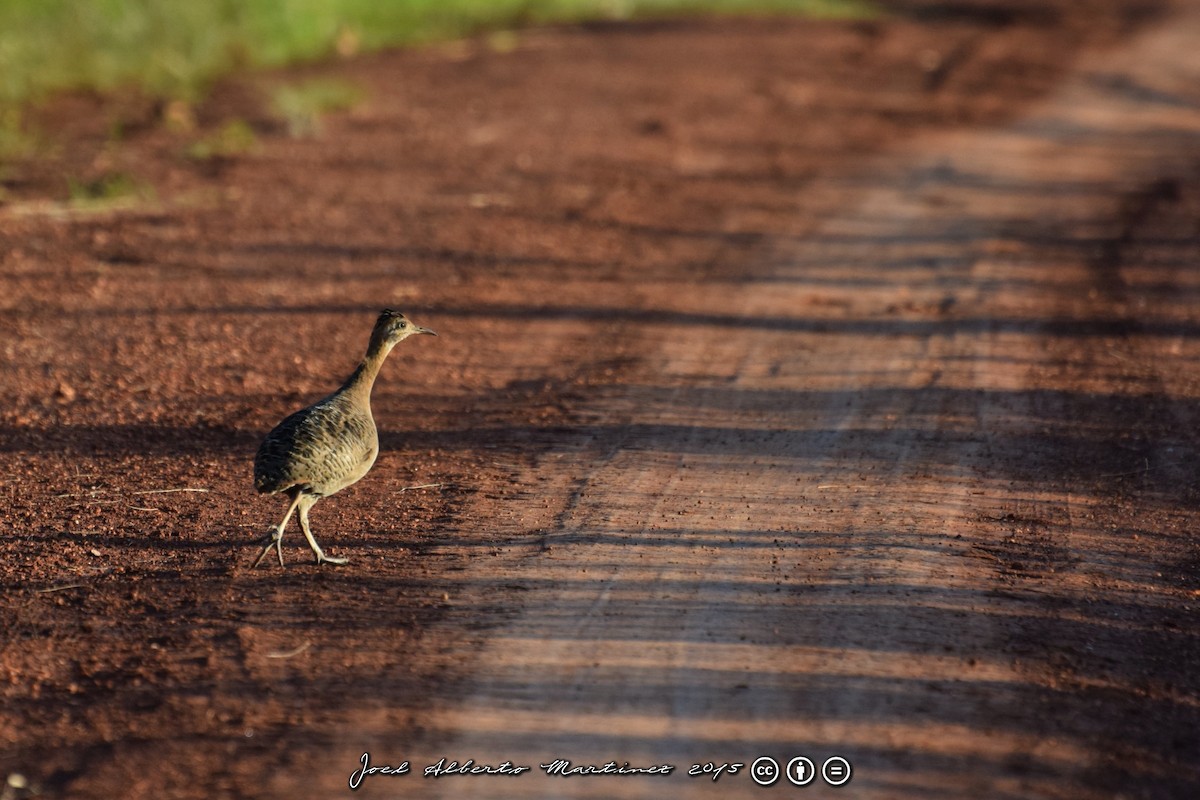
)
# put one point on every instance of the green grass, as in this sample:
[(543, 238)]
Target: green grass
[(302, 105), (15, 142), (174, 48), (112, 190), (235, 138)]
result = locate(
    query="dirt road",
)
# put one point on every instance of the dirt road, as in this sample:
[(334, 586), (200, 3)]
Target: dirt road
[(804, 389)]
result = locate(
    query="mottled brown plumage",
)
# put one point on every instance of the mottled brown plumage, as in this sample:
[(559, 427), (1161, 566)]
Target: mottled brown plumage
[(331, 444)]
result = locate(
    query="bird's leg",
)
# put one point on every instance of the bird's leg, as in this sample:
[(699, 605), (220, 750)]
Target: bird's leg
[(305, 505), (275, 537)]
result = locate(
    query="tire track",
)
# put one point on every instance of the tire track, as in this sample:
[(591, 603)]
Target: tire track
[(863, 542)]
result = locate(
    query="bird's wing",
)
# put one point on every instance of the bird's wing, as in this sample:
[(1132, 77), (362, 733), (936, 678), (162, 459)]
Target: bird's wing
[(317, 448)]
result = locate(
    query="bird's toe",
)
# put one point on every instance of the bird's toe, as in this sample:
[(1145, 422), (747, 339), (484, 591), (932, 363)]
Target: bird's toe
[(273, 539)]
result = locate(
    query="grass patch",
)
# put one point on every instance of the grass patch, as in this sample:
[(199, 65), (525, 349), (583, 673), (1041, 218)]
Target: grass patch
[(111, 190), (15, 142), (302, 105), (175, 49), (235, 138)]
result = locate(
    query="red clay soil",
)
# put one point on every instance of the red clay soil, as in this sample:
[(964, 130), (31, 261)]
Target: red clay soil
[(803, 388)]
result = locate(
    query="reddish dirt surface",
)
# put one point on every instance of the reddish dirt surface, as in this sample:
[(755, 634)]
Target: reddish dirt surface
[(803, 388)]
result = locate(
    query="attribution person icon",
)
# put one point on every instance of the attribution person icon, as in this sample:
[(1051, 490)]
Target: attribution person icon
[(801, 771)]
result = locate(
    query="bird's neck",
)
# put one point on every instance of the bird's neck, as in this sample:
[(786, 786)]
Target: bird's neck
[(363, 378)]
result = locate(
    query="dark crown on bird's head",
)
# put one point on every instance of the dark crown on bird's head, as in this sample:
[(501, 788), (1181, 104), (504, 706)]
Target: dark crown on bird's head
[(390, 318), (395, 326)]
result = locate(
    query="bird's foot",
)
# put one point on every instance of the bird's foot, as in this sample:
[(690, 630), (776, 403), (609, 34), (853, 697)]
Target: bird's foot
[(324, 559), (274, 539)]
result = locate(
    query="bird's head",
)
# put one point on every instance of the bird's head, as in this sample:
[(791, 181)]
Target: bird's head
[(392, 327)]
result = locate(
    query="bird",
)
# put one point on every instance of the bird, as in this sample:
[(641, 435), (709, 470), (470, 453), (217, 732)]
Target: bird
[(322, 449)]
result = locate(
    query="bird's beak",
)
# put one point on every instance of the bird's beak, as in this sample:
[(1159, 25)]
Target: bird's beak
[(419, 329)]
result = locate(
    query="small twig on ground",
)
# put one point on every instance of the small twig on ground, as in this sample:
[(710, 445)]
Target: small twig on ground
[(978, 551), (291, 653), (423, 486), (66, 586), (1141, 471), (62, 588), (95, 492)]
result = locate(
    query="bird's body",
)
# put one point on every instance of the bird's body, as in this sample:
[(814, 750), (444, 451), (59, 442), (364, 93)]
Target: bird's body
[(330, 445), (321, 449)]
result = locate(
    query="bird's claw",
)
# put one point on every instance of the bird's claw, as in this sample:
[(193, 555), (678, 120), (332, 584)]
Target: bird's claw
[(324, 559), (274, 539)]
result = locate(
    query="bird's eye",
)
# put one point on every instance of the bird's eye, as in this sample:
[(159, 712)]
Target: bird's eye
[(403, 325)]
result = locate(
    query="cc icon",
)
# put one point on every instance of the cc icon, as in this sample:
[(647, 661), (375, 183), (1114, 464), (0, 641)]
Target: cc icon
[(764, 770)]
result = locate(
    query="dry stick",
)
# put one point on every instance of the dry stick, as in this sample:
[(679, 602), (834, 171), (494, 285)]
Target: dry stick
[(88, 493), (291, 653), (1141, 471), (64, 587), (94, 492), (422, 486)]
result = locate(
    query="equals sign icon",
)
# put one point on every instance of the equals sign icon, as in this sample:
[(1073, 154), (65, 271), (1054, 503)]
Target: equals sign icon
[(836, 771)]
